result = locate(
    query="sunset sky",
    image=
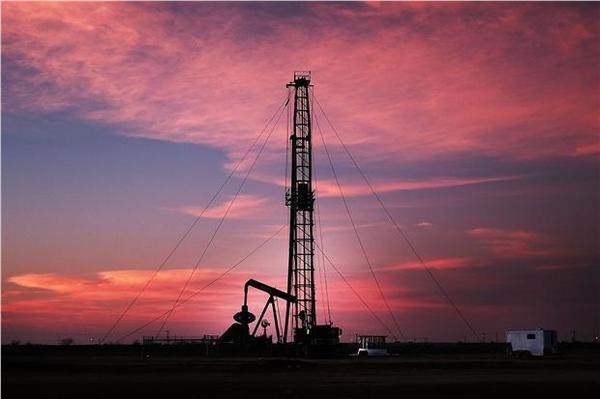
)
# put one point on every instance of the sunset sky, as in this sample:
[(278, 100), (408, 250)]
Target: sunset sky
[(477, 123)]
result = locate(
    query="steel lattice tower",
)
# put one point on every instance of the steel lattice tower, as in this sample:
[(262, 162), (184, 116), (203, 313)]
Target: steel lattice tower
[(300, 199)]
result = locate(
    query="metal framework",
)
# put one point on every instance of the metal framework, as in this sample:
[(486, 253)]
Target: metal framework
[(300, 199)]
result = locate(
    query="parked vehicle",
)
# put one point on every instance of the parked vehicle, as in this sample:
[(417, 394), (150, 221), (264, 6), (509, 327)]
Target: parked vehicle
[(371, 345)]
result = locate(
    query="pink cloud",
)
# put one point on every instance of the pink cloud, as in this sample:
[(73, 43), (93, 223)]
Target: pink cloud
[(74, 302), (515, 243), (357, 188), (525, 89), (93, 302), (400, 298), (346, 226), (244, 207), (439, 263), (593, 148), (111, 285), (329, 188)]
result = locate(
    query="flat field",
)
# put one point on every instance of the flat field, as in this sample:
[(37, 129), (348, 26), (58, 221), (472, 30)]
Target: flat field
[(131, 375)]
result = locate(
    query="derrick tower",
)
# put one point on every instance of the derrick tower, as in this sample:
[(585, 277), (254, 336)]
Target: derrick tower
[(301, 315), (300, 312)]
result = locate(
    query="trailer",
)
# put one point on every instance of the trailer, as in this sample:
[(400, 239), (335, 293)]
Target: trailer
[(538, 342)]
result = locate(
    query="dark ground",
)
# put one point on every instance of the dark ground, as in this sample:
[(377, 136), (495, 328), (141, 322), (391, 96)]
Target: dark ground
[(73, 373)]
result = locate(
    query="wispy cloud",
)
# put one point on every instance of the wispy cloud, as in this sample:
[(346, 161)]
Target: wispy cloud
[(244, 207), (52, 282), (329, 188), (593, 148), (346, 226), (439, 263), (514, 243)]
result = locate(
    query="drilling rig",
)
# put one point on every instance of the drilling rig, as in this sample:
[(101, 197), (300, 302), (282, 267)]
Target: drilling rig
[(300, 323), (301, 315)]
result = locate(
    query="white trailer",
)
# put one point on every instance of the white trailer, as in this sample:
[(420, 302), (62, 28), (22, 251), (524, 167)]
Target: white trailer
[(538, 342)]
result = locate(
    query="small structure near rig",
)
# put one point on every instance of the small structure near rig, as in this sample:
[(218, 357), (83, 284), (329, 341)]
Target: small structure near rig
[(538, 342), (371, 345)]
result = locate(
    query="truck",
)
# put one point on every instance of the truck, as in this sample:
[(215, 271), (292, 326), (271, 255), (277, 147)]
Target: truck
[(537, 342)]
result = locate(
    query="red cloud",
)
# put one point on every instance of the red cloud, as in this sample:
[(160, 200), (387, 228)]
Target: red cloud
[(75, 303), (72, 302)]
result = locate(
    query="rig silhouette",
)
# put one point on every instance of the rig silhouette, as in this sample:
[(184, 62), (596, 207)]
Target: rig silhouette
[(300, 306), (298, 332)]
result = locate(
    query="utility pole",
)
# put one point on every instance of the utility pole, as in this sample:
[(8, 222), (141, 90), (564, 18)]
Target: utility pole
[(300, 199)]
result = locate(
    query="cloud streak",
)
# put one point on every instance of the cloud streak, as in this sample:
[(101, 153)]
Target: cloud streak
[(244, 207), (100, 298), (439, 263), (78, 301), (329, 188), (514, 243)]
